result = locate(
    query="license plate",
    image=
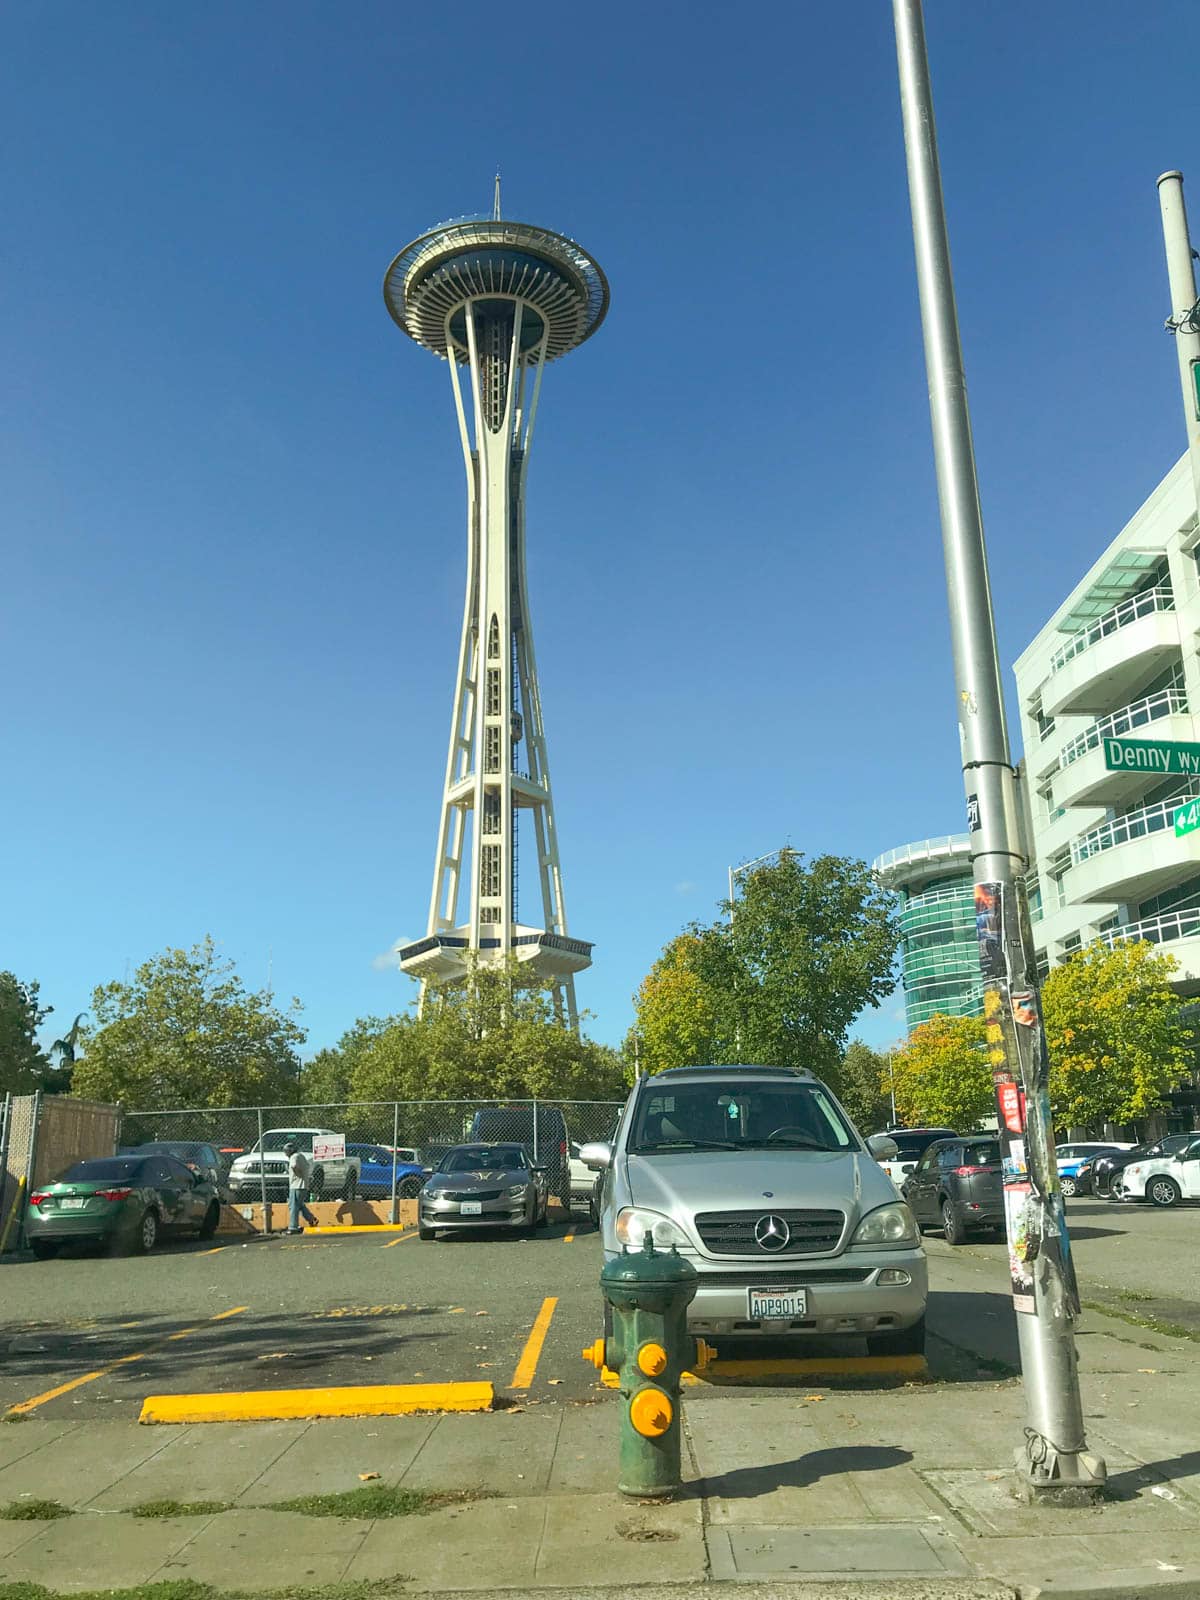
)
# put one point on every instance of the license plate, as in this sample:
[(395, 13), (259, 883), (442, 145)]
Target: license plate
[(766, 1304), (72, 1205), (471, 1208)]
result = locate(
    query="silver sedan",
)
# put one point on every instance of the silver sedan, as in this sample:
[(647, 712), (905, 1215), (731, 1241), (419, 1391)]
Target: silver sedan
[(484, 1186)]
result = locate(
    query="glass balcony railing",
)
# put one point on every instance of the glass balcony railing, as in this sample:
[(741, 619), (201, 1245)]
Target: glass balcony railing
[(1164, 704), (1136, 825), (1171, 925), (936, 897), (1141, 605), (947, 844)]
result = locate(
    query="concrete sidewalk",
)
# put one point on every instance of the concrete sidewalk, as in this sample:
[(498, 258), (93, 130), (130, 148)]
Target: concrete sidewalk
[(896, 1493)]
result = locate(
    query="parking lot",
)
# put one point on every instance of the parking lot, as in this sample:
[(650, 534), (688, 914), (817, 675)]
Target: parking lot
[(94, 1335)]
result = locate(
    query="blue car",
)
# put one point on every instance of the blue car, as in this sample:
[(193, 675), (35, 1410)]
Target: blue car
[(375, 1174)]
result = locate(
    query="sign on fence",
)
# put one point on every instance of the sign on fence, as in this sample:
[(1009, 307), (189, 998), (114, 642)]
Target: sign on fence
[(329, 1147)]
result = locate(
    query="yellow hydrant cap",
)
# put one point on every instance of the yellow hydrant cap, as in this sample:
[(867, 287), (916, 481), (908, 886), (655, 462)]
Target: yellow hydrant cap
[(651, 1412), (705, 1354), (595, 1354), (652, 1359)]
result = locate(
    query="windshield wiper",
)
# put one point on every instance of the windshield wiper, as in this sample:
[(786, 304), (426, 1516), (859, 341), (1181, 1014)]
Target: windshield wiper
[(687, 1144), (798, 1139)]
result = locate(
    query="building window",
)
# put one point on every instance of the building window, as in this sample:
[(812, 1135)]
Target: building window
[(491, 749), (491, 811), (492, 706), (494, 640)]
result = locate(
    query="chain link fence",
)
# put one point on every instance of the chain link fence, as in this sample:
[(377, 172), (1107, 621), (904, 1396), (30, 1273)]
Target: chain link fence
[(388, 1143)]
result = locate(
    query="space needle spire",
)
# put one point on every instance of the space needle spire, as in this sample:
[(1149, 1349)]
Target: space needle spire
[(497, 300)]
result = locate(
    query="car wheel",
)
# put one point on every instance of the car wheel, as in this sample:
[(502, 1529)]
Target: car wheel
[(898, 1341), (542, 1219), (43, 1250), (211, 1218), (1163, 1191), (350, 1186), (144, 1235), (408, 1188), (1069, 1188), (952, 1224), (316, 1184), (425, 1233)]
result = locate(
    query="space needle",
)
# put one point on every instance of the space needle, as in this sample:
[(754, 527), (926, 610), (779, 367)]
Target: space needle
[(496, 300)]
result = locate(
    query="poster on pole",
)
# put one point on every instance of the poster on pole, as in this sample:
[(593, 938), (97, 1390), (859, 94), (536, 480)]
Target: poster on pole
[(1039, 1247)]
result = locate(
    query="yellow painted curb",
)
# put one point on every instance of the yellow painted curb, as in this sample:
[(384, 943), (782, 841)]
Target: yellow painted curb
[(794, 1367), (282, 1405), (364, 1227)]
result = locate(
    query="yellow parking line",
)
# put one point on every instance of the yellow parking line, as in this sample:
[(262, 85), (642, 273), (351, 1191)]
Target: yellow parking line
[(568, 1238), (403, 1239), (359, 1227), (527, 1365), (272, 1405), (37, 1400)]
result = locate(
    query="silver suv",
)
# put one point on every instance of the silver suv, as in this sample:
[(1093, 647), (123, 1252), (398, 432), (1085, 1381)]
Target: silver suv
[(760, 1179)]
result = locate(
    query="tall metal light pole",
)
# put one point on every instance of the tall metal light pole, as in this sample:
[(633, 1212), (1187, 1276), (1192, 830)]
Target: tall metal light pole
[(1184, 321), (1054, 1463)]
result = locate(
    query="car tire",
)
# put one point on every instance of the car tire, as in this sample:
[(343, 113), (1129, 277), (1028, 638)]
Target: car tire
[(350, 1187), (143, 1236), (211, 1218), (425, 1233), (898, 1341), (1069, 1187), (952, 1224), (408, 1188), (1163, 1191), (542, 1220), (43, 1249), (316, 1184)]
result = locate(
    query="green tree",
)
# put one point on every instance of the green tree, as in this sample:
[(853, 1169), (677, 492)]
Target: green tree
[(1114, 1034), (185, 1032), (781, 977), (864, 1086), (24, 1065), (677, 1011), (327, 1078), (942, 1077), (492, 1037)]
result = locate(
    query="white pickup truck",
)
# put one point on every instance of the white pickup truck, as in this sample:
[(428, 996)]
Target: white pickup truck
[(267, 1164)]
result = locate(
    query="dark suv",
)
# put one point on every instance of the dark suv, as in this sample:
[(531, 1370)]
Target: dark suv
[(957, 1186)]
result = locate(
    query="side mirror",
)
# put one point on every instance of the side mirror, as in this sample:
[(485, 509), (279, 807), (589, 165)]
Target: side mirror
[(882, 1147), (427, 1172), (596, 1156)]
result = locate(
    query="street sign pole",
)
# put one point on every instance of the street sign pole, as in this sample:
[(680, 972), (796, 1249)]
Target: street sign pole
[(1054, 1463)]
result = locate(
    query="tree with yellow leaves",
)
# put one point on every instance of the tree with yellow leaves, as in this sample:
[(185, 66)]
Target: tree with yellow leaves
[(676, 1011), (1114, 1034), (941, 1077)]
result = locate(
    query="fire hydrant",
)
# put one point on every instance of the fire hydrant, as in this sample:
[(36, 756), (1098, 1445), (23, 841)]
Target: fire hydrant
[(650, 1349)]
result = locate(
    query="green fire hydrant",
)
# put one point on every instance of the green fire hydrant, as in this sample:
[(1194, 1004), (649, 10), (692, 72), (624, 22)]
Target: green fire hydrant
[(650, 1349)]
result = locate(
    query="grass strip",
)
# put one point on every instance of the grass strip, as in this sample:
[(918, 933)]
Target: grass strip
[(188, 1589), (372, 1500), (33, 1511), (1173, 1330), (181, 1508)]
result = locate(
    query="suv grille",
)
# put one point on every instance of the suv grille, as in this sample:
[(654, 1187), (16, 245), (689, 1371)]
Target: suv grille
[(731, 1233)]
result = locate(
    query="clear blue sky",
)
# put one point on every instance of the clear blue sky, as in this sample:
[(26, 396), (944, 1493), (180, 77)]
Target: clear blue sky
[(233, 549)]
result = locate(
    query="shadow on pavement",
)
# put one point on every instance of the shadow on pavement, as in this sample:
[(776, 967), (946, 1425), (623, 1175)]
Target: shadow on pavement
[(748, 1483), (1133, 1481), (979, 1323), (251, 1352)]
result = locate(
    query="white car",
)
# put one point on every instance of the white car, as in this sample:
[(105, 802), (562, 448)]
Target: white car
[(331, 1176), (583, 1179), (1163, 1180)]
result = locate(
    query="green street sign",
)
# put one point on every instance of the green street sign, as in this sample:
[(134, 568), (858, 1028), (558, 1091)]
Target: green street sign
[(1187, 818), (1196, 386), (1147, 755)]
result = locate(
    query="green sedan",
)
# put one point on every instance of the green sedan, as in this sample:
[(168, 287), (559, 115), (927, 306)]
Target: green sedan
[(128, 1202)]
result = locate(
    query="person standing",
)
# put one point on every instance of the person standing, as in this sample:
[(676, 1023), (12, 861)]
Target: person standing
[(299, 1172)]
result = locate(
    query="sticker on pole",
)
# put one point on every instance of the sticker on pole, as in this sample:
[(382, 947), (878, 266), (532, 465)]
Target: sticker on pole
[(329, 1147)]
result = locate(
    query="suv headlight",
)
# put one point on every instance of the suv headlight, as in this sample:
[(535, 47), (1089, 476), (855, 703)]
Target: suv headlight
[(890, 1224), (633, 1224)]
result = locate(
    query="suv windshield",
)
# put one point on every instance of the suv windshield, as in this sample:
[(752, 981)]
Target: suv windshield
[(725, 1114)]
